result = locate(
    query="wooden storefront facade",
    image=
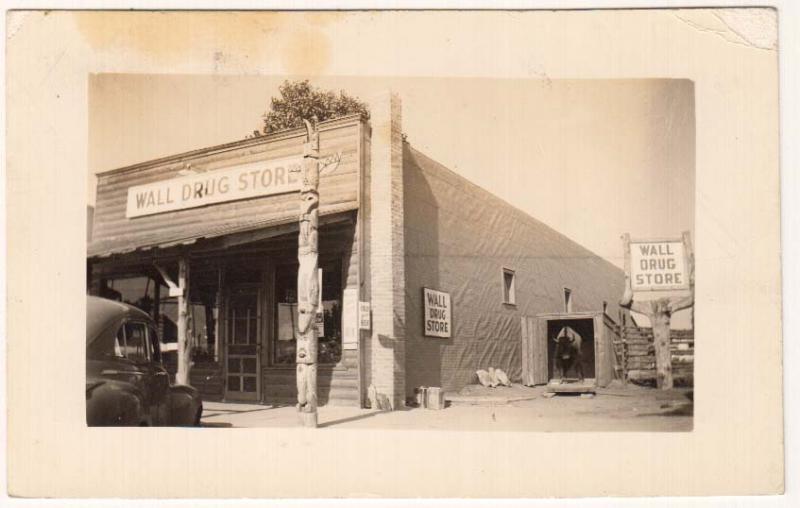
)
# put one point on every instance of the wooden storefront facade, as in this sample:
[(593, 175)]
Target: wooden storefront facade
[(241, 259)]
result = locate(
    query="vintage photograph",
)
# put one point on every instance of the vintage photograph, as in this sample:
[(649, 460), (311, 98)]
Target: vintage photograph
[(403, 253), (397, 254)]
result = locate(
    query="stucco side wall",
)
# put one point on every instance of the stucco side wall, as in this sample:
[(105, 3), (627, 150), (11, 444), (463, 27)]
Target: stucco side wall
[(458, 238)]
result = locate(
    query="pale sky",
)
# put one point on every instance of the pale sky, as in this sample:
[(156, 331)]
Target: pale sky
[(591, 158)]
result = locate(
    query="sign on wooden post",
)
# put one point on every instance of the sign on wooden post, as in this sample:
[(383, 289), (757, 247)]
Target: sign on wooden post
[(659, 265)]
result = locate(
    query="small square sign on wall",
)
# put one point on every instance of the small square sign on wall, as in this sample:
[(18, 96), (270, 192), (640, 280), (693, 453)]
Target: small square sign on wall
[(364, 316)]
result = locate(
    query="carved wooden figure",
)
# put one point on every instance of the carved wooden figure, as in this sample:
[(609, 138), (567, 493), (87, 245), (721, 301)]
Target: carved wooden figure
[(307, 281)]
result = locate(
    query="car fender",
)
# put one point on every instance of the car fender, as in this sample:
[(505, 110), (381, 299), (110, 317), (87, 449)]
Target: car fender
[(185, 405), (114, 403)]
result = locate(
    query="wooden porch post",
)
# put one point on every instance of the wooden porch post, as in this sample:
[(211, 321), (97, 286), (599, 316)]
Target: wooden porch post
[(184, 326)]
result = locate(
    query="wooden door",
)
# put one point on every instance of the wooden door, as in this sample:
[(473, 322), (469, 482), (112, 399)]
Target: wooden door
[(603, 354), (534, 351), (243, 344)]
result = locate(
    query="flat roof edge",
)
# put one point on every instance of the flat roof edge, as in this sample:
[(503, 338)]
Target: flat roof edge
[(267, 138)]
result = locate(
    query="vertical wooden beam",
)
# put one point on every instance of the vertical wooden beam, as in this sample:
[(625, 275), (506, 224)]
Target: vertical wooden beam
[(184, 327), (157, 303), (526, 363), (221, 316), (660, 317), (689, 253), (627, 296)]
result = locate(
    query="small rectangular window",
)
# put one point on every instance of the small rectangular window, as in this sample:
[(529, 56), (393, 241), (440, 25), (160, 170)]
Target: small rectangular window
[(509, 284), (567, 300)]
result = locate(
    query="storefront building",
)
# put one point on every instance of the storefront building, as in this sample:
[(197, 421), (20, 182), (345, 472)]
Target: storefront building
[(447, 270)]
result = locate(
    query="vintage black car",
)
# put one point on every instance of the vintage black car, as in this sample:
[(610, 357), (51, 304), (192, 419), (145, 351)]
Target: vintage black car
[(126, 382)]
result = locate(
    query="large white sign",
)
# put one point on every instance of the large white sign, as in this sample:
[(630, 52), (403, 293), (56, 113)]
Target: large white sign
[(658, 266), (244, 181), (438, 315)]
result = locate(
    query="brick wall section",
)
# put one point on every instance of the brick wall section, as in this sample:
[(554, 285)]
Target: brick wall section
[(387, 270)]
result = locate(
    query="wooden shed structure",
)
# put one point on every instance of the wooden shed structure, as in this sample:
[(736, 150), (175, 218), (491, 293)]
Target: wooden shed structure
[(598, 331)]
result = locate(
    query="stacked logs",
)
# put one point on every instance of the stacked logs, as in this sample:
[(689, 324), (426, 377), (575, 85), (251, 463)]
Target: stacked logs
[(637, 349)]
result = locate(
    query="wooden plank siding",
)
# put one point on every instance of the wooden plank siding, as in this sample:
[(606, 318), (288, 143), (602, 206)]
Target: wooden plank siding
[(534, 351), (112, 231)]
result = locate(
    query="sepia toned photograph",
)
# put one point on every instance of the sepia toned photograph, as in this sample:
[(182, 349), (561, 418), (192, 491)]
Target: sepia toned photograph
[(327, 253), (397, 254)]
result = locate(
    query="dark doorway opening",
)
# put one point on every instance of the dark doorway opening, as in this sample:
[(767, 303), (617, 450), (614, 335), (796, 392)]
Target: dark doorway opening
[(582, 327)]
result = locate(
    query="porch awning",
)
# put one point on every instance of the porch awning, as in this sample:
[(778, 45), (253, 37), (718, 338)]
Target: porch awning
[(229, 234)]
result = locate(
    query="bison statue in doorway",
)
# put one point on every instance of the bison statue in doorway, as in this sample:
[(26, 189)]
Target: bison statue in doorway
[(568, 353)]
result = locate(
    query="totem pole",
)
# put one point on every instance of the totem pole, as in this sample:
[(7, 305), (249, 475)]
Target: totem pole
[(307, 282), (660, 311)]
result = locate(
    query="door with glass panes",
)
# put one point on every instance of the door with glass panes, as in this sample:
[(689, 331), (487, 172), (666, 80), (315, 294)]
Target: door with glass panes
[(243, 344)]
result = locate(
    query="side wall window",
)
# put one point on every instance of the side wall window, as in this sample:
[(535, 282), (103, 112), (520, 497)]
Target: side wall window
[(509, 289)]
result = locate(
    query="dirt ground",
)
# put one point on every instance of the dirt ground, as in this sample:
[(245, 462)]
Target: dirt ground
[(516, 408)]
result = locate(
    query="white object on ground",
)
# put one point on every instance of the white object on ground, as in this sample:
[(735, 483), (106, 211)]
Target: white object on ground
[(484, 378), (493, 377), (502, 377)]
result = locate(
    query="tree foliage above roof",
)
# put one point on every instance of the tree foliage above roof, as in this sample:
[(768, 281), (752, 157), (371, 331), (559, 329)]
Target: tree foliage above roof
[(299, 100)]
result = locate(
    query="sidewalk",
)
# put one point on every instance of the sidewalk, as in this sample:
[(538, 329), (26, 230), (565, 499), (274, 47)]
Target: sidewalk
[(517, 408)]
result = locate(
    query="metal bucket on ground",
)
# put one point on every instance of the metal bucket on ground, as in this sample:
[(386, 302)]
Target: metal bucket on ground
[(435, 398)]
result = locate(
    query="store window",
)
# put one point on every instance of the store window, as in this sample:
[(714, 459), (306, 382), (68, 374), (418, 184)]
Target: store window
[(329, 327), (137, 291), (203, 310)]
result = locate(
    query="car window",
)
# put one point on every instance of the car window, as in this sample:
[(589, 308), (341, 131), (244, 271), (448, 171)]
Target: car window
[(107, 345), (136, 342), (119, 343), (154, 345)]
